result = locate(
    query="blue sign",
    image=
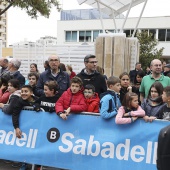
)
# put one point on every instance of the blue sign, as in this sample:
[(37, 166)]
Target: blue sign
[(80, 142)]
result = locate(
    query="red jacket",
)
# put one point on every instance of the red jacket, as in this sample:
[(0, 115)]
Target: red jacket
[(76, 102), (4, 96), (93, 104), (73, 74)]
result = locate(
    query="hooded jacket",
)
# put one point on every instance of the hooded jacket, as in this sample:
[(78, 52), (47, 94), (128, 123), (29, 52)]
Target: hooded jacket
[(76, 102), (93, 103), (109, 104), (4, 96), (151, 110), (11, 102), (96, 79), (17, 108)]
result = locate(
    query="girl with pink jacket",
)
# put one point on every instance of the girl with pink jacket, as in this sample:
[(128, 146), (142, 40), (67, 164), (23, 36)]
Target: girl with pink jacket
[(130, 109)]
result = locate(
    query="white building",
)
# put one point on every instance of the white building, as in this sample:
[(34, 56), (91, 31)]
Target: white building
[(77, 29), (3, 26)]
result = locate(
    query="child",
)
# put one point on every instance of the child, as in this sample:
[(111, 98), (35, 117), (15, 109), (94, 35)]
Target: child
[(130, 110), (71, 100), (153, 103), (26, 99), (164, 113), (110, 102), (32, 81), (4, 93), (136, 84), (92, 98), (48, 100), (125, 85), (13, 89)]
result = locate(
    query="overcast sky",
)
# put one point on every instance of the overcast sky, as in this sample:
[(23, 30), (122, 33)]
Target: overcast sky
[(21, 26)]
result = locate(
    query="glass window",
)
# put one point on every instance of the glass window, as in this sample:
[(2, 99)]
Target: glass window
[(95, 34), (161, 34), (68, 36), (88, 36), (153, 32), (81, 36), (168, 35), (71, 36), (74, 36), (127, 32)]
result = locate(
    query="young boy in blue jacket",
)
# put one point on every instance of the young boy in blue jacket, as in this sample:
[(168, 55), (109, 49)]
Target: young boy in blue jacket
[(110, 103)]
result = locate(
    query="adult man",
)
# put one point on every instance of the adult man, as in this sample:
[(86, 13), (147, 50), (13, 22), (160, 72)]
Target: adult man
[(133, 73), (4, 65), (12, 71), (89, 75), (147, 81), (54, 73), (167, 70)]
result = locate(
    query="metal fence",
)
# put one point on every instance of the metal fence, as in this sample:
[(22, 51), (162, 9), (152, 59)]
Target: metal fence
[(34, 53)]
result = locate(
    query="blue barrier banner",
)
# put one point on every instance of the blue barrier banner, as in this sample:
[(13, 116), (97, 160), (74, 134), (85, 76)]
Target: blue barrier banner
[(85, 142)]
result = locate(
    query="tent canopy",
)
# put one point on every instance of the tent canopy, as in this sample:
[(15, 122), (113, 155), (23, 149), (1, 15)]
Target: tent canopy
[(110, 6)]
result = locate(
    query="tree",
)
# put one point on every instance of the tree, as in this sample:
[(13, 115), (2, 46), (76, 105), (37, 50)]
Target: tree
[(148, 50), (32, 7)]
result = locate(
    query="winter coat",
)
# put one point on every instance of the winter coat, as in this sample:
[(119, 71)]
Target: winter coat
[(62, 79), (109, 104), (4, 96), (11, 102), (76, 102), (17, 75), (151, 110), (47, 103), (124, 120), (19, 104), (96, 79), (93, 103)]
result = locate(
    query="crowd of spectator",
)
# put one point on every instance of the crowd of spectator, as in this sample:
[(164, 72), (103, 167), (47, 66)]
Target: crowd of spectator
[(59, 90)]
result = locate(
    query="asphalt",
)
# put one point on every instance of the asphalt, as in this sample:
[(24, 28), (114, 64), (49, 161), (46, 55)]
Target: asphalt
[(8, 166)]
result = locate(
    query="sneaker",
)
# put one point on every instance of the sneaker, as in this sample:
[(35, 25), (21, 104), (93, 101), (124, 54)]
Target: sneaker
[(23, 167), (16, 164)]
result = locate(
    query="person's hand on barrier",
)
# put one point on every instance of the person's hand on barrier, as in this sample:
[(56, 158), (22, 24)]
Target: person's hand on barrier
[(1, 105), (18, 132), (68, 111), (146, 118), (63, 116), (134, 118), (152, 118)]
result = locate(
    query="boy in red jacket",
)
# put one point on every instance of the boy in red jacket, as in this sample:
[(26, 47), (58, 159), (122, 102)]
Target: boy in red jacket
[(92, 98), (71, 100)]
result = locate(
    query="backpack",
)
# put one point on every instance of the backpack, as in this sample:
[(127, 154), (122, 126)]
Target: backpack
[(110, 101), (163, 150)]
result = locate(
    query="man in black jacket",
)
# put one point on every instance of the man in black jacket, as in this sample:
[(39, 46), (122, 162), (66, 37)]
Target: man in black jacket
[(89, 75), (133, 73)]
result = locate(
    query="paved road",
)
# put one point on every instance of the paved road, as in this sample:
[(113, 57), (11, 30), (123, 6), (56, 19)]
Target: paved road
[(8, 166)]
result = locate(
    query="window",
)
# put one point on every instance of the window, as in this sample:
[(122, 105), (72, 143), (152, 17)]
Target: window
[(127, 32), (95, 34), (161, 34), (84, 36), (153, 32), (168, 35), (71, 36)]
